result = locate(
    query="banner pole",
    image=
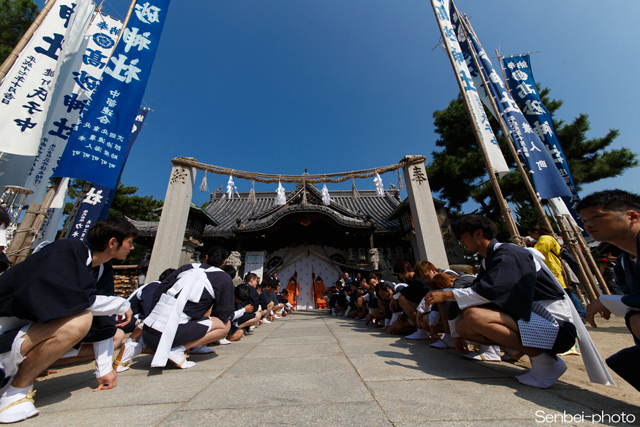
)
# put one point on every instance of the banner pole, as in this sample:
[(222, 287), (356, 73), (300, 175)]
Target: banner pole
[(589, 258), (132, 6), (505, 130), (21, 244), (504, 207), (6, 65), (572, 244)]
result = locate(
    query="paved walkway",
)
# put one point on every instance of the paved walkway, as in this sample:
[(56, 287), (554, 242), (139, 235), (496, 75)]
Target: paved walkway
[(315, 369)]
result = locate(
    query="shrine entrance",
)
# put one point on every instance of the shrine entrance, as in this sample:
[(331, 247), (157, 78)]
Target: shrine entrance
[(308, 231)]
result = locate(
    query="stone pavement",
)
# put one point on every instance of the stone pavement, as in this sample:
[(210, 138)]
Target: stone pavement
[(315, 369)]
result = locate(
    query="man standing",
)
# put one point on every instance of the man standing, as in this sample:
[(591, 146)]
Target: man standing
[(512, 290), (613, 216), (47, 304)]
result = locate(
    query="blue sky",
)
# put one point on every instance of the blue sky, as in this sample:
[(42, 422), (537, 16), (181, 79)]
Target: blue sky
[(277, 86)]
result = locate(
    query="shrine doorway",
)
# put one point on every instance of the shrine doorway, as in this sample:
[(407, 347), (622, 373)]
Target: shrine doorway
[(309, 262)]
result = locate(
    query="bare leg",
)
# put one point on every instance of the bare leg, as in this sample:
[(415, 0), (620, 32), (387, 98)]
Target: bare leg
[(45, 343), (251, 322), (489, 327), (86, 351), (217, 331), (408, 307), (236, 335)]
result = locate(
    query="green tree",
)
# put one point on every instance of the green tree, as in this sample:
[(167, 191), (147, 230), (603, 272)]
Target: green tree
[(125, 203), (15, 18), (458, 171)]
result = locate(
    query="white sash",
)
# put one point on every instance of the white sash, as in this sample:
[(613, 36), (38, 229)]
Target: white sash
[(168, 312)]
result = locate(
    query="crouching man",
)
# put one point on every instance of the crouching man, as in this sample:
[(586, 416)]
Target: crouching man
[(47, 304), (192, 307), (514, 302)]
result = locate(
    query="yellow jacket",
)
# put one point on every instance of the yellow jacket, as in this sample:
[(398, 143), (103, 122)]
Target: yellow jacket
[(546, 245)]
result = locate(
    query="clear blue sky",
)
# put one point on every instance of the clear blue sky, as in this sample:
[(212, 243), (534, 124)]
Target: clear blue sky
[(278, 86)]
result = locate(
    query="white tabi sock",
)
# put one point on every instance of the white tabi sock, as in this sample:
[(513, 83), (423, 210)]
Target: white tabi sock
[(12, 391), (21, 402), (544, 373), (177, 355)]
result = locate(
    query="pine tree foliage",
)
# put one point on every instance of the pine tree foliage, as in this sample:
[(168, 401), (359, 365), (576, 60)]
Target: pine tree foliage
[(458, 173), (16, 17)]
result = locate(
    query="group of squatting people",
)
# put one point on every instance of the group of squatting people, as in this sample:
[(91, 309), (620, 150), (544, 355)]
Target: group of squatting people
[(57, 307), (515, 305)]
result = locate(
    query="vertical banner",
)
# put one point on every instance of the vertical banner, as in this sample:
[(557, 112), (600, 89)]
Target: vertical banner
[(74, 89), (137, 127), (469, 90), (96, 151), (27, 89), (89, 211), (546, 178), (524, 90)]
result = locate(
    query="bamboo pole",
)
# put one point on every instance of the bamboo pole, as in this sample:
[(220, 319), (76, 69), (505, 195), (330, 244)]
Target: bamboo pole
[(6, 65), (572, 244), (17, 244), (589, 258), (505, 130), (132, 6), (504, 208), (37, 223), (583, 261)]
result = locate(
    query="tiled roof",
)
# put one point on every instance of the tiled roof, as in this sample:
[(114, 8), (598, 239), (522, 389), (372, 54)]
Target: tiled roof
[(240, 215)]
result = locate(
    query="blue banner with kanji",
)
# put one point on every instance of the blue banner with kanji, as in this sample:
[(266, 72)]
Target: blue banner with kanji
[(135, 131), (89, 211), (525, 92), (97, 149), (546, 178)]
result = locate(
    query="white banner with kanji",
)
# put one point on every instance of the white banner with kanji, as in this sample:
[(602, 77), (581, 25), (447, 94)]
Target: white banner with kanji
[(468, 89), (79, 78), (27, 90)]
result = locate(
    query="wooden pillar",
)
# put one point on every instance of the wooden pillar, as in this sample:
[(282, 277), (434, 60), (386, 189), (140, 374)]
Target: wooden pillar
[(167, 247), (425, 220)]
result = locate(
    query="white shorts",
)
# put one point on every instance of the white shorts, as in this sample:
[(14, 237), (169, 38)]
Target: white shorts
[(11, 360)]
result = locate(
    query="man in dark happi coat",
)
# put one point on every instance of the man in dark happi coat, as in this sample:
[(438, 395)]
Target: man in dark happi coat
[(47, 304), (499, 306), (191, 308), (613, 216)]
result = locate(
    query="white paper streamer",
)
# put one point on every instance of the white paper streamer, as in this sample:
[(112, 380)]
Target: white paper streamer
[(379, 185), (231, 188), (326, 199), (281, 199)]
